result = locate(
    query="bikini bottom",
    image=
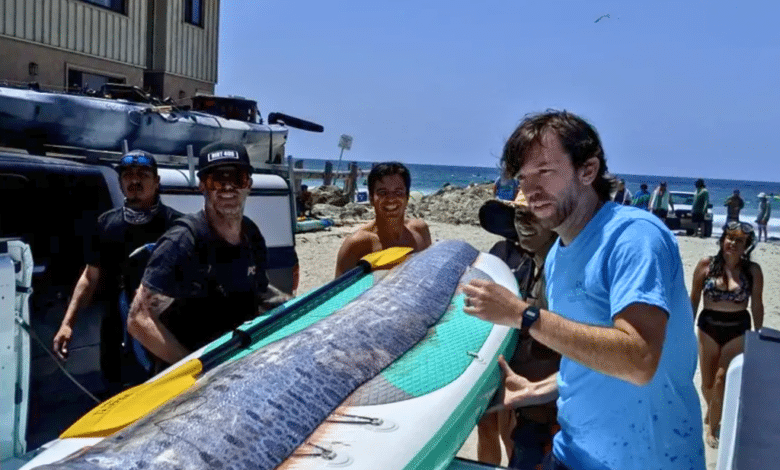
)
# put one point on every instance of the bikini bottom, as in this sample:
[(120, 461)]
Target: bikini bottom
[(723, 326)]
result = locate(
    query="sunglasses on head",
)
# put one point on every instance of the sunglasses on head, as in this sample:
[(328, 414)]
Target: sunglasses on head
[(218, 179), (743, 226), (136, 160)]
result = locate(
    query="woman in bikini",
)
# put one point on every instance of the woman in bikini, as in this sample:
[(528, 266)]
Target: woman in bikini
[(727, 281)]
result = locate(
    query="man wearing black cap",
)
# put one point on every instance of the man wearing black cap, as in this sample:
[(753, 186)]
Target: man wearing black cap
[(207, 273), (119, 232)]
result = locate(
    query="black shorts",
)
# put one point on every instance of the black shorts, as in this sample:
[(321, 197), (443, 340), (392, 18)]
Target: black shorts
[(697, 217)]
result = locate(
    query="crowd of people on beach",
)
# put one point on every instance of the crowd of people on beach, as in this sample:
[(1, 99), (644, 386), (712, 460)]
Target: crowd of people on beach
[(660, 202), (603, 372)]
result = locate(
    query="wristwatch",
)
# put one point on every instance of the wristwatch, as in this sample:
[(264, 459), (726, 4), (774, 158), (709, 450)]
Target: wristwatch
[(530, 315)]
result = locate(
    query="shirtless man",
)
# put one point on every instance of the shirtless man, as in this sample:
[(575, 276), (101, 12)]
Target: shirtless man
[(388, 190)]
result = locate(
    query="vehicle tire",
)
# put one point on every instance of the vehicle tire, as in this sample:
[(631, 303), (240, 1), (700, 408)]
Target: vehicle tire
[(690, 231), (708, 229)]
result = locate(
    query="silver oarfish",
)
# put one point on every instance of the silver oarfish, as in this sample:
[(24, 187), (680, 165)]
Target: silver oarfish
[(254, 412)]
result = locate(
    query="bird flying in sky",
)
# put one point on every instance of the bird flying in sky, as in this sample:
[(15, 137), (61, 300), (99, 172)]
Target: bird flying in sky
[(601, 18)]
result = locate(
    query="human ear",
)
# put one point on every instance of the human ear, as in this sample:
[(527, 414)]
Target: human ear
[(589, 171)]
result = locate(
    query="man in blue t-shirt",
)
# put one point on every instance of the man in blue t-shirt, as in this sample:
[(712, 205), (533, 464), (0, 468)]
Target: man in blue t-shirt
[(618, 312)]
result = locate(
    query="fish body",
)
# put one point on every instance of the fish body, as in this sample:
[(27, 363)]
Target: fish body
[(254, 412)]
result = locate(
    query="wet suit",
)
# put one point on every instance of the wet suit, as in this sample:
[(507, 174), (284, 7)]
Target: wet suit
[(118, 233), (216, 285)]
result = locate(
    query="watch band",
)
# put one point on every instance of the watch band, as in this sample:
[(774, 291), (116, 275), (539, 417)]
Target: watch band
[(530, 315)]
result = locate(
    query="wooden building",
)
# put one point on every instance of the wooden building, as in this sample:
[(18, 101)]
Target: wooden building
[(167, 47)]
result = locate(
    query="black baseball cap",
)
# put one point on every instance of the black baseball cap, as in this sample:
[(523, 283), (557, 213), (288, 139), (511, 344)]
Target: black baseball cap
[(498, 217), (137, 158), (219, 154)]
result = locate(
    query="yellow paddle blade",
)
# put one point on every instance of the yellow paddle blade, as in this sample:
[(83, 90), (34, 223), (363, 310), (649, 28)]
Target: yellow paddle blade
[(134, 403), (388, 257)]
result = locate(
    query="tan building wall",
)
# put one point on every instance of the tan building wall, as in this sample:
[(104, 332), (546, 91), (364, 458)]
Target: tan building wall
[(80, 27), (151, 46), (53, 65), (184, 49)]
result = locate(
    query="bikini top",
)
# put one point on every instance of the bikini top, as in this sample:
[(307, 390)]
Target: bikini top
[(742, 294)]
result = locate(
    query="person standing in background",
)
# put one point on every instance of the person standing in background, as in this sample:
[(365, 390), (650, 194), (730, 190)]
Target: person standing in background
[(661, 201), (526, 431), (726, 282), (701, 202), (388, 191), (642, 197), (505, 188), (734, 205), (623, 195), (764, 212), (142, 219)]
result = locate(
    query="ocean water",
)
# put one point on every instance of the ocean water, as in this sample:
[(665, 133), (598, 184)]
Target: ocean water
[(430, 178)]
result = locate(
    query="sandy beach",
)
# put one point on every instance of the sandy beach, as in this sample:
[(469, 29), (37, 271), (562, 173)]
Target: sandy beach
[(317, 258)]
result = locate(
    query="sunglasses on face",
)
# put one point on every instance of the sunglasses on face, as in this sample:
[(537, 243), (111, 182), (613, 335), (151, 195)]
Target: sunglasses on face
[(220, 179), (136, 160)]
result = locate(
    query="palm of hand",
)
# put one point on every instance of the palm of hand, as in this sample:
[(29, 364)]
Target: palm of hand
[(517, 390)]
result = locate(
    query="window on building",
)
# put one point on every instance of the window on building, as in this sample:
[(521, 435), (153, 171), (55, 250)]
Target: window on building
[(78, 80), (115, 5), (193, 12)]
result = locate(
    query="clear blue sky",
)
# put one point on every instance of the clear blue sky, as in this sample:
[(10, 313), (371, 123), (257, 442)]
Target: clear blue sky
[(674, 88)]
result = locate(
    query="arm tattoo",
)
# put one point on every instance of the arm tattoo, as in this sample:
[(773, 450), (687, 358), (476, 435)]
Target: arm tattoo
[(151, 302)]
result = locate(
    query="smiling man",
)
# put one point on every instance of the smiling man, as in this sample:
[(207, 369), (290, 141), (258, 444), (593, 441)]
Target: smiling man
[(617, 310), (141, 220), (207, 273), (388, 189)]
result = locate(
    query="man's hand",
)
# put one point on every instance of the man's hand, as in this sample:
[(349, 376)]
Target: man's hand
[(61, 341), (494, 303), (272, 298), (520, 392)]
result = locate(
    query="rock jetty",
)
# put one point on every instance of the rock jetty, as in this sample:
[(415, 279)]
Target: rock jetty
[(451, 204)]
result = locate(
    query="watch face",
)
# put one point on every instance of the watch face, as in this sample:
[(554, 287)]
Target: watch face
[(530, 315)]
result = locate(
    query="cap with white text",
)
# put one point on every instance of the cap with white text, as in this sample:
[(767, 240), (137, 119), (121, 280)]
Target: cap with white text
[(219, 154)]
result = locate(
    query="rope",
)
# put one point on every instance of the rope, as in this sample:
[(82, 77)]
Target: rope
[(26, 327)]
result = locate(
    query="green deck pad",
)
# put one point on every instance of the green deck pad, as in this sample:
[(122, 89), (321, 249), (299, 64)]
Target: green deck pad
[(443, 355), (440, 358), (299, 320)]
